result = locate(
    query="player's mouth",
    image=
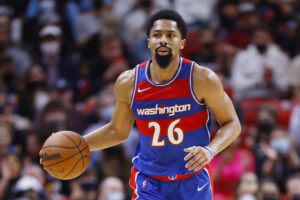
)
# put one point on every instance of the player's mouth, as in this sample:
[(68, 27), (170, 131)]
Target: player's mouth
[(163, 51)]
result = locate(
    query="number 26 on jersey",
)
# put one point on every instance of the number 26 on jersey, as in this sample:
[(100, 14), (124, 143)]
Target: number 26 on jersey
[(172, 130)]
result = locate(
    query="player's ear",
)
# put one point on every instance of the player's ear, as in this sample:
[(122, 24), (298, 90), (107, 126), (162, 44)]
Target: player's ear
[(182, 44)]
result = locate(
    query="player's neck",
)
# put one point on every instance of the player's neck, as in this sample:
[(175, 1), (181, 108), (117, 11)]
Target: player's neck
[(162, 75)]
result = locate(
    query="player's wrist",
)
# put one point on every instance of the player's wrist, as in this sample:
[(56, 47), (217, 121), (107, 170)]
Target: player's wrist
[(210, 151)]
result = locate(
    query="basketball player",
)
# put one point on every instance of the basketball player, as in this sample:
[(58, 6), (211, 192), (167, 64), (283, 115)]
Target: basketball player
[(171, 99)]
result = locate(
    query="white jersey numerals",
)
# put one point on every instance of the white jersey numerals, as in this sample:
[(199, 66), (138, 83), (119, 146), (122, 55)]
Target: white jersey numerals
[(171, 131)]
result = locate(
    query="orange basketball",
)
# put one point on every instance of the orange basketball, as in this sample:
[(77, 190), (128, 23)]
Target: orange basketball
[(65, 155)]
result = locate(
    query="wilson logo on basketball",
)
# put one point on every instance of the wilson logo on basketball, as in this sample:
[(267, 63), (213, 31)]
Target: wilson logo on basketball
[(47, 157)]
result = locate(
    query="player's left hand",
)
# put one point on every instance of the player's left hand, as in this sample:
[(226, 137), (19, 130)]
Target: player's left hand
[(200, 157)]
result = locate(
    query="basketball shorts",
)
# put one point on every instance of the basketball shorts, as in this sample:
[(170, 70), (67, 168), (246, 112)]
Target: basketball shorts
[(197, 187)]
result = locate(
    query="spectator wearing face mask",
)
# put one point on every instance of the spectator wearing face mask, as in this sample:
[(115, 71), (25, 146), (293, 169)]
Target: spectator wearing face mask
[(56, 64), (266, 121), (278, 158), (111, 188), (260, 70), (40, 13)]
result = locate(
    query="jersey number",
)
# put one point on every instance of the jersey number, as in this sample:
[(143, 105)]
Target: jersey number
[(171, 131)]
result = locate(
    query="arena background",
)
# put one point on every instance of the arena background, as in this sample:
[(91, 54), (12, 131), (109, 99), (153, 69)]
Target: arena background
[(59, 60)]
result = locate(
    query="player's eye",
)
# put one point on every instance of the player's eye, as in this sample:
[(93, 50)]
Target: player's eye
[(171, 35), (155, 35)]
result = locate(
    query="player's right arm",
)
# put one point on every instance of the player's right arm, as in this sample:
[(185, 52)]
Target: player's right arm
[(118, 129)]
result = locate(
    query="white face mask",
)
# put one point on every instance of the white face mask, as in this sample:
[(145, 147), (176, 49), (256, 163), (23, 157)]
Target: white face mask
[(117, 195), (50, 48)]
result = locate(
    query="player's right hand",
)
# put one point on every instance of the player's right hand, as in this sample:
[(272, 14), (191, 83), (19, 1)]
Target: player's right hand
[(200, 157)]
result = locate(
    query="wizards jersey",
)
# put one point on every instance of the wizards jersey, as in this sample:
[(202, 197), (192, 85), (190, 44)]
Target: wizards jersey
[(169, 119)]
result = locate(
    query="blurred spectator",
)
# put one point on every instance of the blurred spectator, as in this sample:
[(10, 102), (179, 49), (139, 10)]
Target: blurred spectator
[(28, 187), (11, 167), (140, 50), (33, 145), (85, 187), (21, 58), (109, 62), (239, 35), (8, 75), (70, 10), (268, 190), (99, 20), (293, 187), (260, 70), (55, 64), (41, 13), (35, 170), (247, 187), (196, 13), (62, 91), (136, 31), (206, 56), (248, 19), (114, 163), (8, 116), (294, 81), (294, 126), (277, 157), (266, 122), (228, 15), (112, 188), (228, 167), (6, 139), (52, 119), (34, 92), (284, 26)]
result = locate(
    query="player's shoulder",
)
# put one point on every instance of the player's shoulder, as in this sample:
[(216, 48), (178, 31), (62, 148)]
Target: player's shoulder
[(124, 84), (206, 82), (204, 75), (126, 77)]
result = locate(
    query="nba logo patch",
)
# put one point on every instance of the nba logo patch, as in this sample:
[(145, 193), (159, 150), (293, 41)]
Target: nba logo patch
[(144, 184), (172, 178)]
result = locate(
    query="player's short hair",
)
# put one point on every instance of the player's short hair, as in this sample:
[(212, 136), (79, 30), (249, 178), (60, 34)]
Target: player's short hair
[(169, 15)]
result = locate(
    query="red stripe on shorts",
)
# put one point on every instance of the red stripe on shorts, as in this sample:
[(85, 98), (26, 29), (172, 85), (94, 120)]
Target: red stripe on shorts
[(132, 182)]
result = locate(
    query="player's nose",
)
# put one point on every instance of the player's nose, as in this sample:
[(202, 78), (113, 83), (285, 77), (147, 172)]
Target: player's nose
[(163, 40)]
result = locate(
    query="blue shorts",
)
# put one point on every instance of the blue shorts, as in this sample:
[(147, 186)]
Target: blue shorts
[(197, 187)]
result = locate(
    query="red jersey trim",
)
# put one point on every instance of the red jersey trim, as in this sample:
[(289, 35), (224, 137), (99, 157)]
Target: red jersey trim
[(136, 71), (146, 92), (168, 82), (192, 86)]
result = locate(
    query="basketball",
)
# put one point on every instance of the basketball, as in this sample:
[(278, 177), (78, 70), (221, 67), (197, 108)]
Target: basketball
[(65, 155)]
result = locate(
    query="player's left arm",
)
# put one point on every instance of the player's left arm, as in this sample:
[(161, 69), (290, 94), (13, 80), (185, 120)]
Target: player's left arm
[(208, 88)]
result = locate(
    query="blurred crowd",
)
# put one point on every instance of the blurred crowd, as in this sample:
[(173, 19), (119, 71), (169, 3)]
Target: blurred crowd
[(59, 60)]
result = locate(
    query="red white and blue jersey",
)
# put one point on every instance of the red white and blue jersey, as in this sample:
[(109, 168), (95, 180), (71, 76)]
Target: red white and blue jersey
[(169, 119)]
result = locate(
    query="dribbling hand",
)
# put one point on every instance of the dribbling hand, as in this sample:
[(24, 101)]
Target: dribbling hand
[(200, 157)]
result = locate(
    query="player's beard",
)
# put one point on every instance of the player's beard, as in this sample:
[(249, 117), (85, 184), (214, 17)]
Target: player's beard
[(163, 61)]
